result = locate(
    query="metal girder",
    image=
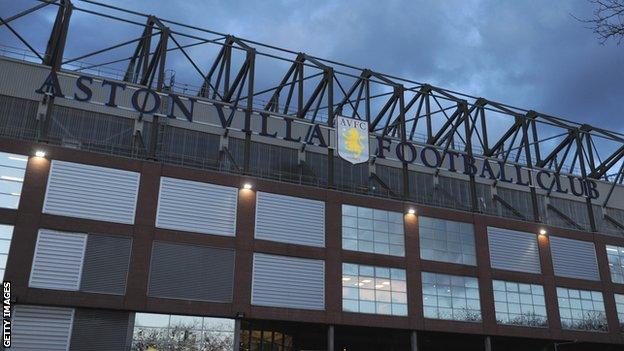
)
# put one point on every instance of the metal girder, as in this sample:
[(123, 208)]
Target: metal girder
[(362, 86), (56, 43), (144, 65), (294, 81), (24, 41), (393, 106), (382, 110), (27, 11), (602, 169), (395, 102), (224, 85)]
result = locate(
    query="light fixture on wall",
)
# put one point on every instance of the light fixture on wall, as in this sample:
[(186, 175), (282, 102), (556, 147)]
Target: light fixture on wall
[(411, 211), (40, 153), (247, 186), (543, 232)]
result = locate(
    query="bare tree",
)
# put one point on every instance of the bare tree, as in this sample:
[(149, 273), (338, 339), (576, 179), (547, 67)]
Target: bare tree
[(181, 337), (607, 20)]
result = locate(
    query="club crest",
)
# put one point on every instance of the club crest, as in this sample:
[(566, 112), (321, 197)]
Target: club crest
[(352, 139)]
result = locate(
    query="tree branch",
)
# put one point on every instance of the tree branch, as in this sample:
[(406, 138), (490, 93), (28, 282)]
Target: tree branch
[(607, 20)]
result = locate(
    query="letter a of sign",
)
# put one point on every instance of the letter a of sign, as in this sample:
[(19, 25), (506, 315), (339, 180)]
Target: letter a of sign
[(352, 137)]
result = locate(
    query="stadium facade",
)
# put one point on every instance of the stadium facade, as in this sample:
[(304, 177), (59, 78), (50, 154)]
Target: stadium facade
[(337, 209)]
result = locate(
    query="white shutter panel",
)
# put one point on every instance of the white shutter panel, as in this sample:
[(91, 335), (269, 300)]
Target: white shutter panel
[(574, 258), (41, 328), (513, 250), (91, 192), (281, 281), (290, 219), (58, 260), (197, 207)]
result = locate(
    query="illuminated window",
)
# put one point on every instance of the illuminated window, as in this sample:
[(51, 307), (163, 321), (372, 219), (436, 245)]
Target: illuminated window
[(372, 230), (615, 254), (520, 304), (378, 290), (168, 332), (447, 241), (6, 233), (12, 169), (451, 297), (581, 309), (619, 305)]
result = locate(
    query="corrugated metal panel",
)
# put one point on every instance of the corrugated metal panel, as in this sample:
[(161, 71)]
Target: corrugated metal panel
[(29, 75), (280, 281), (41, 328), (191, 272), (513, 250), (18, 117), (58, 260), (91, 192), (191, 148), (574, 258), (99, 330), (290, 219), (106, 264), (92, 131), (197, 207)]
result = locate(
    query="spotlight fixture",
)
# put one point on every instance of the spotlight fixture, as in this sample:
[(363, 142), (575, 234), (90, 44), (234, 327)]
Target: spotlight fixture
[(411, 211), (40, 153), (247, 186), (543, 231)]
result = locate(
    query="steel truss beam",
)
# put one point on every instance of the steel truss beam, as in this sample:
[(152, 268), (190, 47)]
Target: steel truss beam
[(315, 90)]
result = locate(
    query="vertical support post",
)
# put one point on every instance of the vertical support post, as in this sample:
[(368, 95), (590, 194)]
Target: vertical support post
[(251, 57), (161, 56), (581, 158), (329, 78), (299, 74), (237, 331), (330, 338), (488, 343), (468, 133), (56, 44), (414, 341), (403, 131), (54, 57), (530, 118)]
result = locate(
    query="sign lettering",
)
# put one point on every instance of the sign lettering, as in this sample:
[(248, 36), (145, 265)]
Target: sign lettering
[(352, 139)]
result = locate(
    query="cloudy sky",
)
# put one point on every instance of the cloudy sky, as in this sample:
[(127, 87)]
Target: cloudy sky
[(530, 54)]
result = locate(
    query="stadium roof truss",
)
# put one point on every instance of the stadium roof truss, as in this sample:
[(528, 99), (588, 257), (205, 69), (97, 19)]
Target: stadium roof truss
[(317, 89)]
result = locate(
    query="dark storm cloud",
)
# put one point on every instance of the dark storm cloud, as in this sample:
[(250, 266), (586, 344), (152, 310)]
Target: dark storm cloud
[(530, 54)]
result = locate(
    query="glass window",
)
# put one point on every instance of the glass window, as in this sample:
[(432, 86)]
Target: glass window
[(12, 169), (372, 230), (6, 233), (378, 290), (162, 331), (254, 339), (519, 304), (619, 306), (615, 254), (581, 309), (447, 241), (451, 297)]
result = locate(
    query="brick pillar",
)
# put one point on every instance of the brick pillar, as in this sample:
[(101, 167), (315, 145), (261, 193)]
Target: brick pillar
[(143, 236), (245, 221), (27, 225)]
